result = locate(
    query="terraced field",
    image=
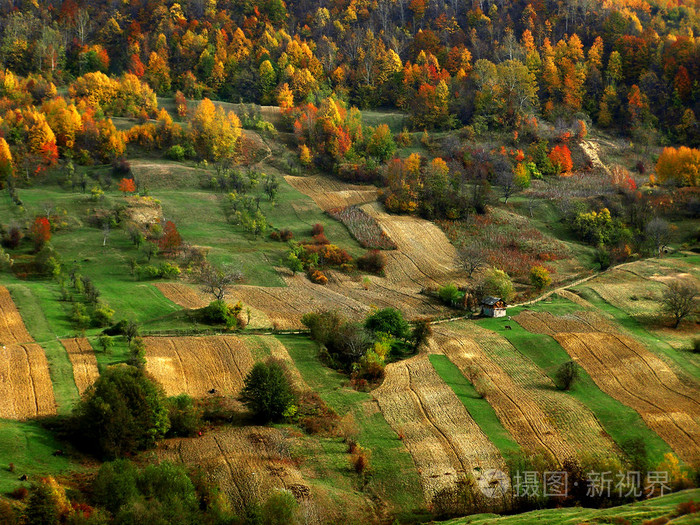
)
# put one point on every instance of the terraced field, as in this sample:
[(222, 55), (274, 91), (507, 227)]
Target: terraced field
[(443, 439), (630, 373)]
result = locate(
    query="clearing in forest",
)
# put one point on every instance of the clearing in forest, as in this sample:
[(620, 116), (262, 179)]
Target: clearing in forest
[(443, 439), (82, 357), (25, 385), (628, 372), (196, 365)]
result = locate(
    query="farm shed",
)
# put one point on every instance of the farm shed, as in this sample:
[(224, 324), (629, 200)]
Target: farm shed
[(493, 307)]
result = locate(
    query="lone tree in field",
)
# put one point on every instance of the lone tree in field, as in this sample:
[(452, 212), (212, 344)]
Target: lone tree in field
[(680, 299), (471, 258), (214, 280), (566, 374), (267, 392), (658, 232)]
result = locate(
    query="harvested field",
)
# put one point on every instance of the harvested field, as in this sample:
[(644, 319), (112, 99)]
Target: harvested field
[(182, 295), (82, 357), (12, 329), (328, 193), (529, 425), (627, 371), (195, 365), (550, 324), (284, 307), (424, 255), (25, 385), (246, 463), (574, 298), (573, 420), (441, 436), (363, 227), (191, 298)]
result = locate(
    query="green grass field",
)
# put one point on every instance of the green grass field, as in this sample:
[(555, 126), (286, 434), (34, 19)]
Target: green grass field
[(30, 448), (480, 409), (632, 514)]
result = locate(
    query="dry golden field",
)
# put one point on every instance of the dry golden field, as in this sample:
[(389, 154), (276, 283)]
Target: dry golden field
[(26, 390), (328, 193), (630, 373), (82, 357), (195, 365), (443, 439), (246, 463), (12, 329)]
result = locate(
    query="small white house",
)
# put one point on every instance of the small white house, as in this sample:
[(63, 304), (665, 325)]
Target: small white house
[(493, 307)]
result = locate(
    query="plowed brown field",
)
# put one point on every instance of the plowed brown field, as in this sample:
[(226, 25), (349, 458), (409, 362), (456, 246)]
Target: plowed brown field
[(82, 357), (441, 436), (627, 371), (328, 193), (12, 329), (195, 365), (246, 463), (25, 385)]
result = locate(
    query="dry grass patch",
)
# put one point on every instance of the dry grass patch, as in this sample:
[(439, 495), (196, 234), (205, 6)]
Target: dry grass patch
[(628, 372), (12, 329), (328, 193), (82, 357), (196, 365), (26, 390), (424, 255), (246, 463), (441, 436)]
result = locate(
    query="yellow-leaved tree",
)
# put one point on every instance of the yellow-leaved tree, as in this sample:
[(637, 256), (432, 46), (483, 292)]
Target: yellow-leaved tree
[(6, 165), (681, 165), (214, 133)]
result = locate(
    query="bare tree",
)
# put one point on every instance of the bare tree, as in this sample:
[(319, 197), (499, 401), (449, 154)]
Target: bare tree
[(471, 257), (214, 280), (658, 232), (680, 300)]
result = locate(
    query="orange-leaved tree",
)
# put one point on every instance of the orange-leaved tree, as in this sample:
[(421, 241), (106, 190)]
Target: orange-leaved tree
[(41, 232), (170, 241), (127, 186), (560, 156)]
